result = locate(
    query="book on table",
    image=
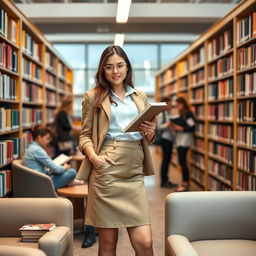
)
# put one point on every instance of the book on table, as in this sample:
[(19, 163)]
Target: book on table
[(151, 110), (33, 232), (61, 159)]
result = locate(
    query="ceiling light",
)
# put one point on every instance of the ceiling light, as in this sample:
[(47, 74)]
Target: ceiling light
[(123, 10), (119, 40)]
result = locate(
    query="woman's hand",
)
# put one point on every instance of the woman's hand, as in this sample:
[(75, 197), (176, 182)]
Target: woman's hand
[(149, 128), (98, 161), (177, 128)]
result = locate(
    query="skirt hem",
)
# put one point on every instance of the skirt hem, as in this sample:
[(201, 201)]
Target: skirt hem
[(118, 225)]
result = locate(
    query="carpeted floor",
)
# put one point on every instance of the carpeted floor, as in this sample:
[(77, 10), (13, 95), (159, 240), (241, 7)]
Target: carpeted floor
[(156, 196)]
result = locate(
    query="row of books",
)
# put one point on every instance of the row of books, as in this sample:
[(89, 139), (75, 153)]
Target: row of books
[(61, 86), (31, 70), (246, 28), (9, 119), (221, 111), (200, 128), (246, 182), (50, 114), (5, 182), (198, 111), (169, 75), (197, 77), (223, 131), (223, 171), (32, 93), (197, 95), (50, 60), (220, 68), (183, 67), (197, 58), (247, 111), (246, 84), (221, 152), (247, 57), (197, 175), (184, 83), (221, 90), (220, 44), (199, 144), (61, 70), (198, 159), (171, 88), (214, 185), (8, 57), (8, 26), (8, 87), (246, 136), (50, 97), (31, 116), (50, 80), (26, 139), (30, 46), (9, 150), (247, 160)]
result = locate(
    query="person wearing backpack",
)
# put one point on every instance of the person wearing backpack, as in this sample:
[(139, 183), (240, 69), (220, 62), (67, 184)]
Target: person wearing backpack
[(166, 138)]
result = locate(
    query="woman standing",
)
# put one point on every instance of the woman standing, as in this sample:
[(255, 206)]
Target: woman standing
[(184, 138), (116, 162)]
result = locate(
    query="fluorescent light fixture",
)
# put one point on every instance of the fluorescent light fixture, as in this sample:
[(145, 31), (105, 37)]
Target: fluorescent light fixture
[(119, 40), (123, 10)]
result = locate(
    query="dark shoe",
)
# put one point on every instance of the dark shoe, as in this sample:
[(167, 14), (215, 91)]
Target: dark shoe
[(168, 185), (89, 238)]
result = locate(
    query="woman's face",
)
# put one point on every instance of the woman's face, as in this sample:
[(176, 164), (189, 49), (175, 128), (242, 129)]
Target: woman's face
[(115, 70)]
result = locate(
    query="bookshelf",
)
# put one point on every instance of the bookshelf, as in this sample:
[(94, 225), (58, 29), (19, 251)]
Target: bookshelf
[(33, 80), (217, 75)]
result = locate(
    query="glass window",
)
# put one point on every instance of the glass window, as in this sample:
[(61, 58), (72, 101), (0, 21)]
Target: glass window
[(74, 54), (79, 81), (94, 53), (91, 78), (142, 55), (145, 80), (170, 51), (78, 106)]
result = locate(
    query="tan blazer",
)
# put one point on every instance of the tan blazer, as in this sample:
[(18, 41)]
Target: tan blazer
[(95, 126)]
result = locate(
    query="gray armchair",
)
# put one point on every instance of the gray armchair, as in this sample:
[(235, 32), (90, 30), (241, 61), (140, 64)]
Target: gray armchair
[(15, 212), (8, 250), (211, 224), (29, 183)]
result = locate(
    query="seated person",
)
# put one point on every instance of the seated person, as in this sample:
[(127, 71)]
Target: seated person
[(37, 159)]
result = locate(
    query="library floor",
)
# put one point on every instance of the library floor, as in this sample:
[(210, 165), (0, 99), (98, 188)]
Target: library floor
[(156, 196)]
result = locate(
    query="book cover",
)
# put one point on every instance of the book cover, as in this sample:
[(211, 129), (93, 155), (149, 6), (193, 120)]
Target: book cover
[(62, 159), (38, 227)]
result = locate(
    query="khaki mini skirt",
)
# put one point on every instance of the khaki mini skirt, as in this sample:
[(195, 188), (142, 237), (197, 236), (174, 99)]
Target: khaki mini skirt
[(117, 196)]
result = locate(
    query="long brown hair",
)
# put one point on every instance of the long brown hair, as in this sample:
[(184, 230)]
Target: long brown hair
[(103, 86), (66, 101), (182, 101)]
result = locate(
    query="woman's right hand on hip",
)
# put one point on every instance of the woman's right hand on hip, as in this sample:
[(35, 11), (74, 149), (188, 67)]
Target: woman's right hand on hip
[(98, 161)]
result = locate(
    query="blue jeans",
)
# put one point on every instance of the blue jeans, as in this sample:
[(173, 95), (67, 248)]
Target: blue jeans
[(62, 180)]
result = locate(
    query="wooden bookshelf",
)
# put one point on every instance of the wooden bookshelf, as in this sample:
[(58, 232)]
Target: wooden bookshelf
[(220, 90), (36, 79)]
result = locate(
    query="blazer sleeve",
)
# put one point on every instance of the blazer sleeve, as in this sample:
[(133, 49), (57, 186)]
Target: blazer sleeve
[(85, 137)]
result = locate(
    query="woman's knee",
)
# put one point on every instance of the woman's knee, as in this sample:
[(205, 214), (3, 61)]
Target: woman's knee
[(72, 172), (145, 244)]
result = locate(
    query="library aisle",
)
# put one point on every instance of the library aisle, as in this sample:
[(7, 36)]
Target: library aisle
[(156, 196)]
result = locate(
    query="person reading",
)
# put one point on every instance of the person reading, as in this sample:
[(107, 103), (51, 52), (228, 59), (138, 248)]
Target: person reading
[(37, 159)]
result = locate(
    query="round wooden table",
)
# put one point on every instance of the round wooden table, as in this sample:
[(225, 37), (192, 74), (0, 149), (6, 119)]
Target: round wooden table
[(77, 195)]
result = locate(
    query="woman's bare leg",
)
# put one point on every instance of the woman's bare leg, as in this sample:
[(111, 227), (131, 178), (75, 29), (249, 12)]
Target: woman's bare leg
[(107, 241), (141, 240)]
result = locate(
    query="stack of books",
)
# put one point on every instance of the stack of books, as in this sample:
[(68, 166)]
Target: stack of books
[(33, 232)]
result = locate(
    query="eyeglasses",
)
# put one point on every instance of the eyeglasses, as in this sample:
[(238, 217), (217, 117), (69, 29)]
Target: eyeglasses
[(119, 67)]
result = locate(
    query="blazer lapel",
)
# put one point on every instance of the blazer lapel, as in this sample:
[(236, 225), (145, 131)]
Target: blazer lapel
[(107, 107), (138, 101)]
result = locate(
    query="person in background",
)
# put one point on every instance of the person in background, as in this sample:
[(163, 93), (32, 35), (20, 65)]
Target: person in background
[(184, 138), (166, 141), (37, 159), (64, 141)]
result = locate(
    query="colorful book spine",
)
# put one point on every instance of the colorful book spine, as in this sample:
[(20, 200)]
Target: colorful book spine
[(31, 70), (50, 97), (184, 83), (31, 116), (26, 140), (183, 67), (50, 80), (246, 136), (247, 111), (5, 182), (9, 119), (8, 87), (197, 58), (221, 90), (216, 185), (220, 45), (30, 46), (221, 131), (198, 95), (199, 144), (8, 57), (247, 160), (221, 111), (50, 115), (221, 152), (199, 129), (246, 182), (50, 60), (9, 150), (32, 93), (198, 159), (197, 175), (247, 57), (247, 84), (198, 111), (197, 78), (246, 28)]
